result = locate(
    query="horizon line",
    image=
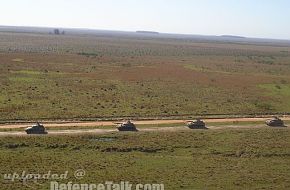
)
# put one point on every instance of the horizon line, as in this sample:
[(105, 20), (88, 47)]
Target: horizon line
[(132, 31)]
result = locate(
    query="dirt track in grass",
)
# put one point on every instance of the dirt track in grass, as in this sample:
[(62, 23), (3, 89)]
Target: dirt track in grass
[(104, 131), (211, 126), (59, 124)]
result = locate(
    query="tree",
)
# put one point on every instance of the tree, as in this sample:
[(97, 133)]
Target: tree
[(56, 31)]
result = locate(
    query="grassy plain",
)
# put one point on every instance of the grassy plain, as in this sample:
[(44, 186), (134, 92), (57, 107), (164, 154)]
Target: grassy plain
[(47, 76), (212, 159), (64, 77)]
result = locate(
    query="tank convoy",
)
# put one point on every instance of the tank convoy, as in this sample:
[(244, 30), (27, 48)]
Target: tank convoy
[(36, 129), (126, 126), (129, 126), (275, 122), (196, 124)]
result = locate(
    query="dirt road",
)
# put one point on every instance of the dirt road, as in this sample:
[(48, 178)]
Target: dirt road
[(210, 124), (104, 131), (145, 122), (88, 124)]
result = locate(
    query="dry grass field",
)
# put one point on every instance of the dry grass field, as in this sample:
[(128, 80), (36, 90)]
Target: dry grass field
[(78, 76), (90, 77), (188, 160)]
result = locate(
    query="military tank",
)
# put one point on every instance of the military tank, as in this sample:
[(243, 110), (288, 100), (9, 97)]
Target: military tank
[(126, 126), (196, 124), (275, 122), (36, 129)]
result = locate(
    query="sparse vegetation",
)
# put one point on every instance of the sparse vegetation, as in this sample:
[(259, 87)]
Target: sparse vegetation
[(112, 77), (97, 77), (227, 159)]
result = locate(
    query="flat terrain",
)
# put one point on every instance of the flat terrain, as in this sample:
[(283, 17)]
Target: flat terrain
[(93, 131), (144, 122), (256, 158), (98, 76), (104, 125), (78, 84)]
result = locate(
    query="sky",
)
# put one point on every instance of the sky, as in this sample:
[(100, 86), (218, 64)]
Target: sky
[(250, 18)]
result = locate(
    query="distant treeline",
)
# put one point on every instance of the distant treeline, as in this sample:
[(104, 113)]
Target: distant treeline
[(58, 32)]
